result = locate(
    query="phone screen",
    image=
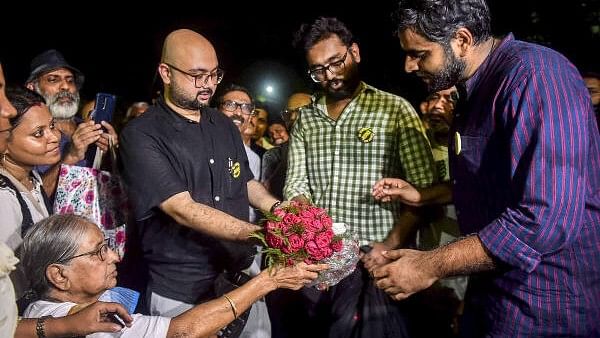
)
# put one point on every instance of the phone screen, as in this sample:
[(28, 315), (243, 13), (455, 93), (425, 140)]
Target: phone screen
[(104, 108)]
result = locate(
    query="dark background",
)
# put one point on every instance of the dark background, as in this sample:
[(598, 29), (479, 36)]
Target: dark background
[(118, 50)]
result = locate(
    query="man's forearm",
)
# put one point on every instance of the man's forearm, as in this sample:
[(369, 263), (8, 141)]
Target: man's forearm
[(462, 257), (440, 193), (259, 197), (405, 226), (205, 219)]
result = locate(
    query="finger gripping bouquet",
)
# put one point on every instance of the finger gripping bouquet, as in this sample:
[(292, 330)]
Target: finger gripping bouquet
[(305, 233)]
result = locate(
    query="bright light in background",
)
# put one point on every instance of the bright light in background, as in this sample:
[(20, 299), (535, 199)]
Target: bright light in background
[(269, 89)]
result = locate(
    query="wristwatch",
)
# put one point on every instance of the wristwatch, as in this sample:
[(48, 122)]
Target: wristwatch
[(274, 206)]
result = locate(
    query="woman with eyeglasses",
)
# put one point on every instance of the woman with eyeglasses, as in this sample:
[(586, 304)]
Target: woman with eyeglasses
[(70, 266)]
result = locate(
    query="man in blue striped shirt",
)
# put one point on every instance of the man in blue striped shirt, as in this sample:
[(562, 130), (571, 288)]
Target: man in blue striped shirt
[(525, 163)]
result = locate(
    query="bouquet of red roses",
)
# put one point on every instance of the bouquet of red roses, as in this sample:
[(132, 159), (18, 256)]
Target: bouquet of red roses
[(305, 233)]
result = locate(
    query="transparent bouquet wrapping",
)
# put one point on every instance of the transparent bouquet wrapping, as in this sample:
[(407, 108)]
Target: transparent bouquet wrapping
[(341, 263)]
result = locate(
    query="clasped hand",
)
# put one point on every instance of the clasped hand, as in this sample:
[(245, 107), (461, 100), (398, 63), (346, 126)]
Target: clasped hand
[(410, 271)]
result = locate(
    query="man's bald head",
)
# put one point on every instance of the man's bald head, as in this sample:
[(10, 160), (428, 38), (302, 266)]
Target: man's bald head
[(297, 100), (186, 57), (184, 45)]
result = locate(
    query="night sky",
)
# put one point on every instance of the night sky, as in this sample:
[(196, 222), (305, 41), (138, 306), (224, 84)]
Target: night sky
[(120, 48)]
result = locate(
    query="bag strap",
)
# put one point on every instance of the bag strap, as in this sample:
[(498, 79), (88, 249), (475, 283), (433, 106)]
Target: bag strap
[(27, 221), (113, 155)]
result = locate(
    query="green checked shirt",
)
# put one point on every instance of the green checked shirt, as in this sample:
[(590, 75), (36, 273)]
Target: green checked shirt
[(335, 163)]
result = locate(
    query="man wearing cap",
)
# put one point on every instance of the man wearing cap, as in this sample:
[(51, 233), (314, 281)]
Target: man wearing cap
[(59, 83)]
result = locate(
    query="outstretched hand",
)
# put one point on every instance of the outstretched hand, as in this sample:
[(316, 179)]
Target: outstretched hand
[(410, 271), (295, 277), (389, 189), (96, 318)]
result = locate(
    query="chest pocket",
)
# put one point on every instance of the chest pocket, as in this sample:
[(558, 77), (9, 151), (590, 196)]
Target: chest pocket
[(470, 150)]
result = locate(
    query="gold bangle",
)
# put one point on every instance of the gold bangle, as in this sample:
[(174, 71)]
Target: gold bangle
[(233, 308)]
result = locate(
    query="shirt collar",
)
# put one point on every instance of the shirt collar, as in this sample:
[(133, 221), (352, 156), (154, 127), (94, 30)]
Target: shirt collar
[(487, 64), (178, 121)]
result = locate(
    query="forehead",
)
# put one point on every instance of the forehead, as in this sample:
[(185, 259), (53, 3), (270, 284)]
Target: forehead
[(237, 96), (411, 41), (276, 127), (445, 92), (326, 49), (261, 113), (62, 72), (36, 115), (298, 101), (92, 237), (592, 82)]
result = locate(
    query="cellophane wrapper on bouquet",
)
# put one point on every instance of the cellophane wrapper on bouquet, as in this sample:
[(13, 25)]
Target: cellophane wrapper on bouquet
[(342, 263), (305, 233)]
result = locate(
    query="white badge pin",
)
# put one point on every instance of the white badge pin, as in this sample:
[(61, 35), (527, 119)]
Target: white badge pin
[(457, 143)]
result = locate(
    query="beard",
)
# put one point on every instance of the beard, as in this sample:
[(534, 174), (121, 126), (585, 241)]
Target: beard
[(349, 80), (184, 100), (61, 110), (450, 75)]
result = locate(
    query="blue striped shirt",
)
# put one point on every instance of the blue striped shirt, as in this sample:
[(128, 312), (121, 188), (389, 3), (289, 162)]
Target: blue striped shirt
[(527, 181)]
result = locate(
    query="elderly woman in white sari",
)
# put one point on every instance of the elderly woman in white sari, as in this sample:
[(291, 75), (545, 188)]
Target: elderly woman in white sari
[(71, 265)]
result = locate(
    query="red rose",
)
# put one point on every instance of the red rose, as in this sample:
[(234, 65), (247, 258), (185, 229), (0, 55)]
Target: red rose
[(324, 238), (337, 245), (314, 225), (295, 242), (274, 241), (306, 214), (314, 251), (290, 219), (308, 235), (270, 226), (326, 252)]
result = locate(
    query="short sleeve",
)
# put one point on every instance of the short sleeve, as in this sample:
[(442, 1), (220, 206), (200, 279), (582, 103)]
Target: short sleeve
[(148, 171)]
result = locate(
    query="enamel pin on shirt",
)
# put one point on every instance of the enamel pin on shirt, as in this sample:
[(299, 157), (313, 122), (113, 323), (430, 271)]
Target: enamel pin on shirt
[(365, 134), (457, 143)]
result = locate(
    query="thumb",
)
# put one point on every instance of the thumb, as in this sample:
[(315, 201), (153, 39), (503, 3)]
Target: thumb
[(393, 254)]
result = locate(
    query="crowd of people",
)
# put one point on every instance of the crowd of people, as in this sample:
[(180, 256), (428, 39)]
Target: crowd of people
[(478, 213)]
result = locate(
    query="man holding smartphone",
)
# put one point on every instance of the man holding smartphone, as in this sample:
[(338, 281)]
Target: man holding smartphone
[(59, 83)]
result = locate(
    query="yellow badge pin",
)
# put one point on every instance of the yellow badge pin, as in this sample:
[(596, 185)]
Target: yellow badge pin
[(236, 169), (365, 135)]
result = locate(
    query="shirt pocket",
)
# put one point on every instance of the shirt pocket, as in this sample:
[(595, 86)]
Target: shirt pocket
[(470, 150)]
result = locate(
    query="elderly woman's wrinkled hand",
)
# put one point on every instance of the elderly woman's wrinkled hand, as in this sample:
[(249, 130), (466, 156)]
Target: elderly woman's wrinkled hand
[(295, 277)]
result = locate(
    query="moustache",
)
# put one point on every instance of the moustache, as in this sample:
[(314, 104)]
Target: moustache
[(237, 118), (62, 95)]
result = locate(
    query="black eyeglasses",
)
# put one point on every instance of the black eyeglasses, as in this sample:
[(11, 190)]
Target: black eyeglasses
[(319, 74), (216, 76), (246, 108), (101, 252)]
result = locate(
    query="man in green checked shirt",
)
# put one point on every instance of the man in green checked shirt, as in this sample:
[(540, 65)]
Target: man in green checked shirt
[(354, 135)]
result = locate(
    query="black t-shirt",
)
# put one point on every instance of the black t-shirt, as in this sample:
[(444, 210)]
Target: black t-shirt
[(164, 154)]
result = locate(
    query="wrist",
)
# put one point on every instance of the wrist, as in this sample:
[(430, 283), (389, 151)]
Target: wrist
[(71, 158), (275, 206), (41, 327)]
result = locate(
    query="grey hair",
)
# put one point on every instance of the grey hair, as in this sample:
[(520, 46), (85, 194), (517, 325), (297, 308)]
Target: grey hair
[(139, 104), (50, 241)]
